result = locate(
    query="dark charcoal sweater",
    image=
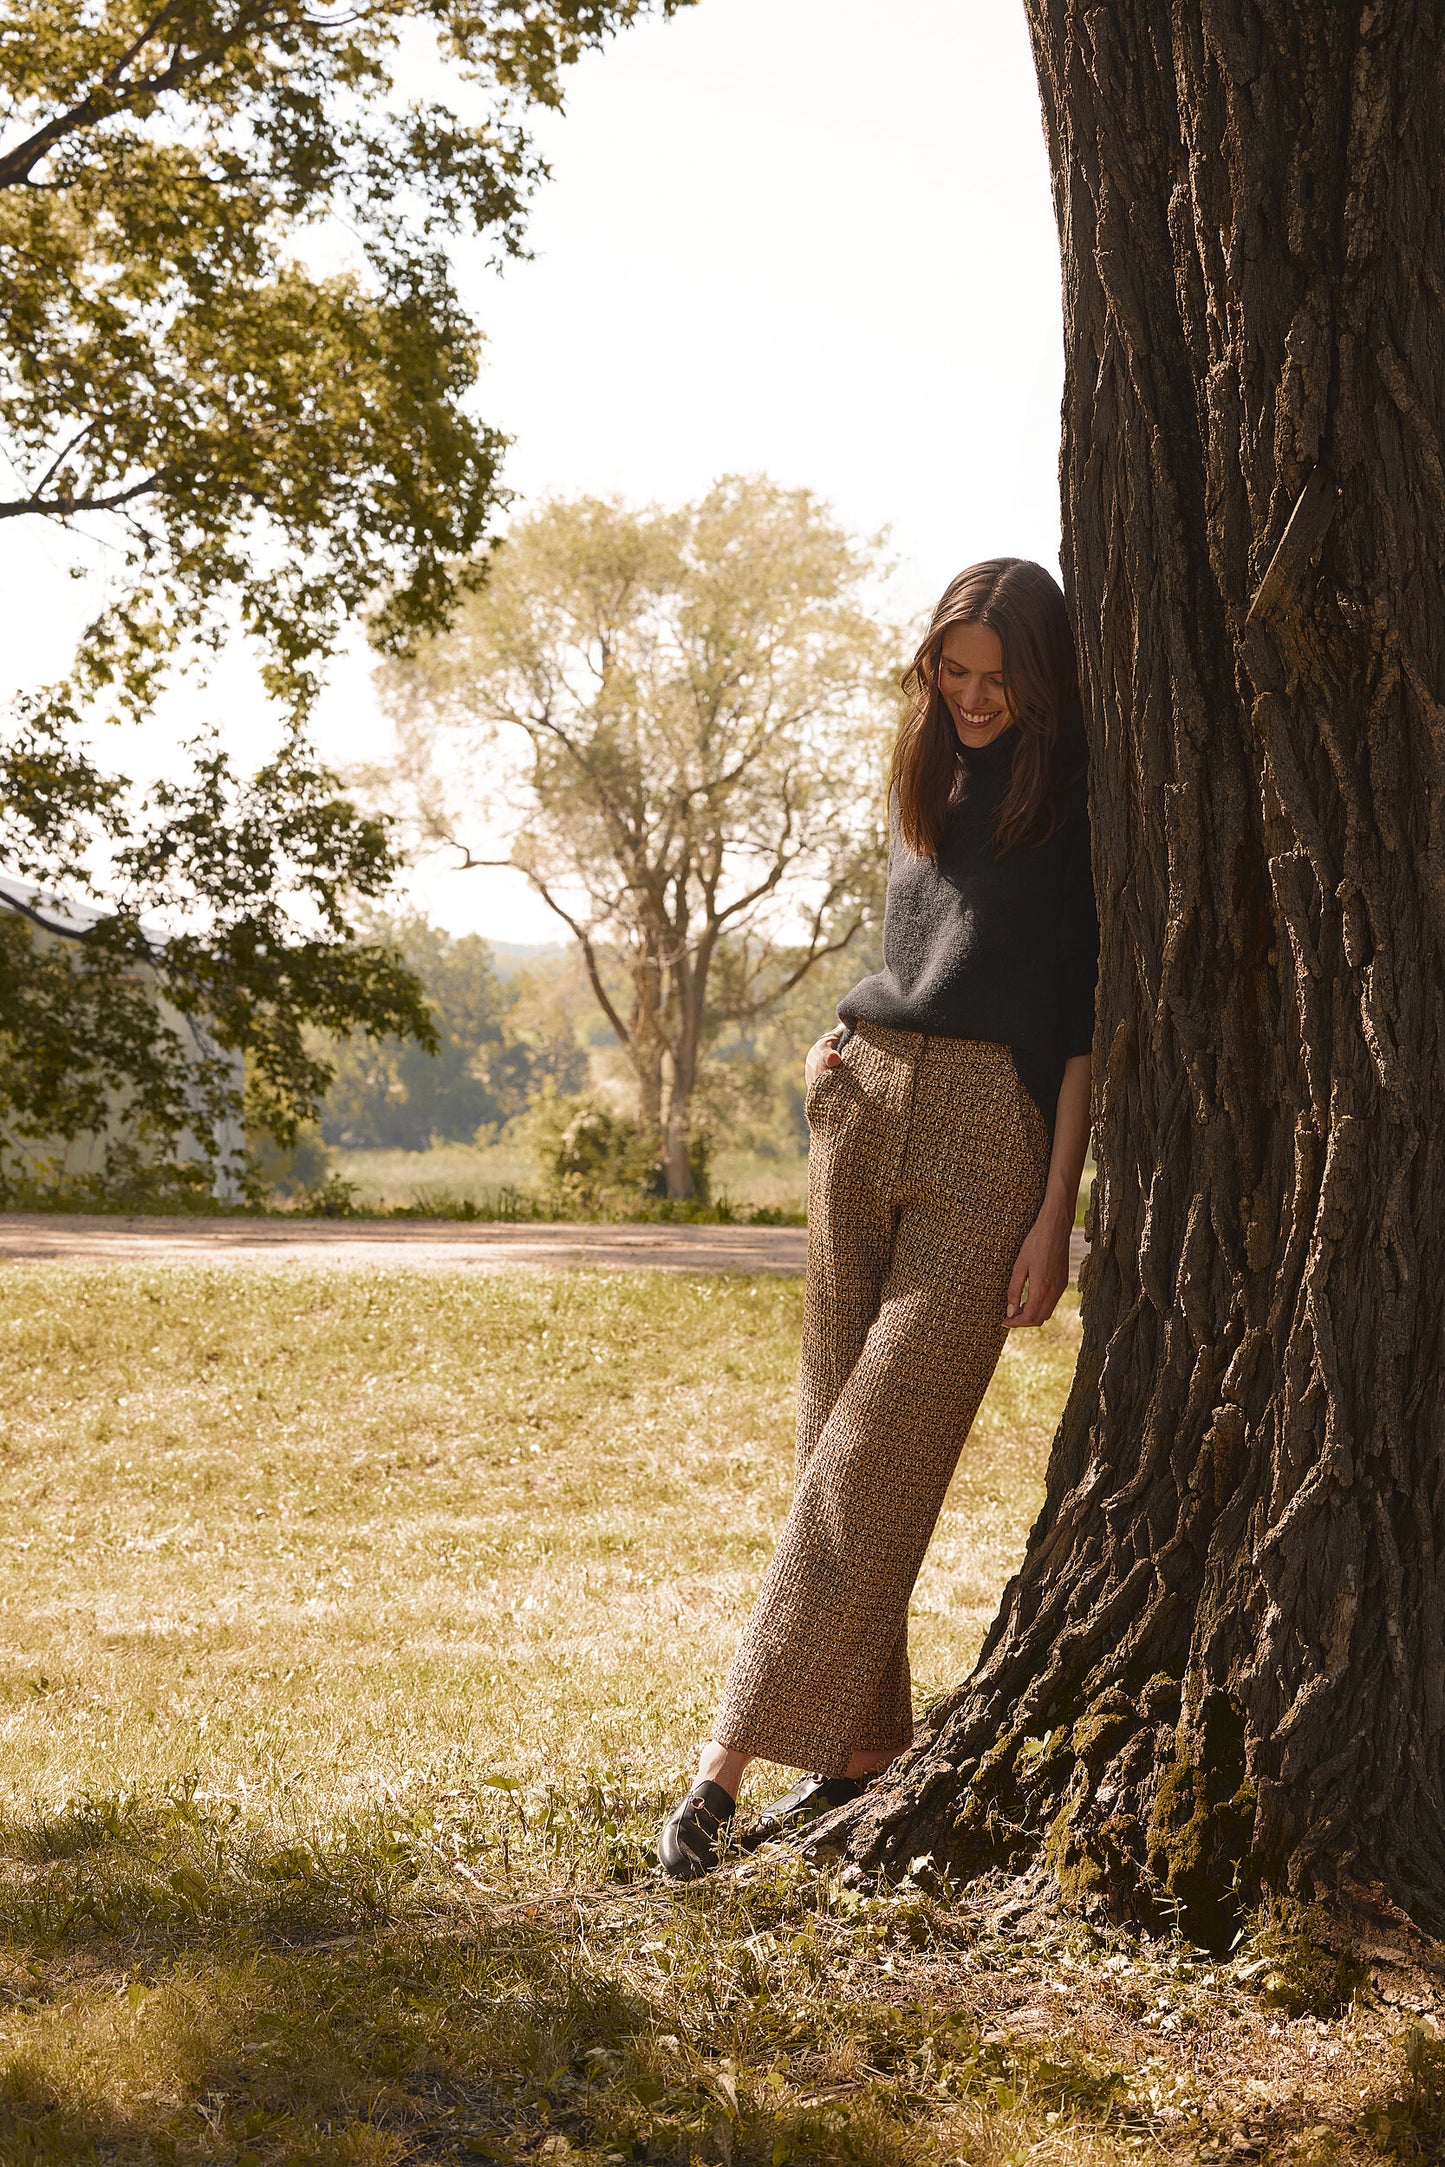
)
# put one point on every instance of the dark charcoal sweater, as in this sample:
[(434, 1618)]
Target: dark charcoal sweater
[(979, 946)]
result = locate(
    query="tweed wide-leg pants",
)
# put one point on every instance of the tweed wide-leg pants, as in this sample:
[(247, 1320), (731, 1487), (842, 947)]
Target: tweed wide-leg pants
[(926, 1170)]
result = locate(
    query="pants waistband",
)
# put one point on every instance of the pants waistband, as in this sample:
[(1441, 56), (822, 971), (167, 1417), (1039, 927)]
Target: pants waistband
[(907, 1045)]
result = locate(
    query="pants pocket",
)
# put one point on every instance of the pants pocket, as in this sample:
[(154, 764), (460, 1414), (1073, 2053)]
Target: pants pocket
[(814, 1095)]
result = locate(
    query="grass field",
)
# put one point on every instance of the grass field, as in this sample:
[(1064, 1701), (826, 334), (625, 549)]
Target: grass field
[(386, 1178), (357, 1626), (383, 1179)]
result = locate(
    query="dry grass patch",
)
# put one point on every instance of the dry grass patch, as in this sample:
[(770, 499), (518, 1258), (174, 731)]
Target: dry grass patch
[(315, 1539), (354, 1628), (383, 1179)]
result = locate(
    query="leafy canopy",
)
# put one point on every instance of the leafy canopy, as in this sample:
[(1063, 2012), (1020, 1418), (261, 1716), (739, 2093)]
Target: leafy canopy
[(262, 443), (255, 879), (261, 439)]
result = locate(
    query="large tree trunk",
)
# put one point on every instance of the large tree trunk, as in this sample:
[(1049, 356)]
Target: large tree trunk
[(686, 1005), (1221, 1668), (677, 1134), (646, 1042)]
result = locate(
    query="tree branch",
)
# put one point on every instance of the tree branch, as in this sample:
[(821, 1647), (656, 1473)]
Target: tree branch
[(589, 956), (66, 507), (62, 455), (37, 918), (815, 955), (109, 96), (606, 799), (579, 933), (780, 866)]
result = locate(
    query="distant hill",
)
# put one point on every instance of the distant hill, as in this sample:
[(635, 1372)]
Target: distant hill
[(509, 957)]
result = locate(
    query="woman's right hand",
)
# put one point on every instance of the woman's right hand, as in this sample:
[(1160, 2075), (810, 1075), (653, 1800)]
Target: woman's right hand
[(823, 1053)]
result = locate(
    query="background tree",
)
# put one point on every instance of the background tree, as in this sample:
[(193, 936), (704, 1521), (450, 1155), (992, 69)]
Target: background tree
[(1221, 1669), (263, 448), (702, 698), (488, 1066)]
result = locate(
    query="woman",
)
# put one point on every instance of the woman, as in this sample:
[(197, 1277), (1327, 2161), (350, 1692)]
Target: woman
[(950, 1118)]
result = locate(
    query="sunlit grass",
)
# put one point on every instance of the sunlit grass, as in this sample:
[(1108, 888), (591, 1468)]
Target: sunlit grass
[(778, 1183), (325, 1538), (383, 1179), (449, 1173), (386, 1179), (356, 1628)]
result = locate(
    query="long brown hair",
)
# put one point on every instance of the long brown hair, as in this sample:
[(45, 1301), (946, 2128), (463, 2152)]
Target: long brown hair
[(1024, 605)]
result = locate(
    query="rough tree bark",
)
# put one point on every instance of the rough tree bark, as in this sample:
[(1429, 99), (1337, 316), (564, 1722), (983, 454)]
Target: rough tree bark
[(1221, 1669)]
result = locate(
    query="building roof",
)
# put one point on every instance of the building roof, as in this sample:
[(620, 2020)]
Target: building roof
[(64, 914)]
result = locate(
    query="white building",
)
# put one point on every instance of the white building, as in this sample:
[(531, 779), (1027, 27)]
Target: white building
[(55, 921)]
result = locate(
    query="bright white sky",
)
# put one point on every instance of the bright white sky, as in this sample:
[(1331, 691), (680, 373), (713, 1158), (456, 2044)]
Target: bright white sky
[(810, 238)]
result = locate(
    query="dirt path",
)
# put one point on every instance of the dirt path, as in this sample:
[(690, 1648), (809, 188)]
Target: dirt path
[(424, 1244), (419, 1244)]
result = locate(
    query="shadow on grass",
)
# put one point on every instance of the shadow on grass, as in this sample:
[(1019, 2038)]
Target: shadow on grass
[(514, 2046), (166, 1872), (188, 1989), (399, 2048), (180, 1988), (184, 1992)]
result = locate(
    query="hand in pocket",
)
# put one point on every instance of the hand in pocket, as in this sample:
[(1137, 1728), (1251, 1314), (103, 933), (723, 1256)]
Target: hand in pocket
[(823, 1053)]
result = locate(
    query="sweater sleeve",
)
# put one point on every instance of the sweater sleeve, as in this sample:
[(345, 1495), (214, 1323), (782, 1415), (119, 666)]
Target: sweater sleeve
[(1079, 932)]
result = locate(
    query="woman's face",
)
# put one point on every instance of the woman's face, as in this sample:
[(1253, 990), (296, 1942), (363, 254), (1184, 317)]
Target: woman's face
[(970, 677)]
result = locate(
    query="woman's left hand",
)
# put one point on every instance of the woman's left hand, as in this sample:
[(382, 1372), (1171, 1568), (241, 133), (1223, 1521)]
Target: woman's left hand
[(1042, 1268)]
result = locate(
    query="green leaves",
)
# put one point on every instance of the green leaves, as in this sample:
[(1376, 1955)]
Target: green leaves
[(258, 438), (82, 1028), (111, 1024), (394, 1095), (263, 446)]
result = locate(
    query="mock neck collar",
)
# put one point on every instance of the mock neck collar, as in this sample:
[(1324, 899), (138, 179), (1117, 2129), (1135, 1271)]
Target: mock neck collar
[(989, 761)]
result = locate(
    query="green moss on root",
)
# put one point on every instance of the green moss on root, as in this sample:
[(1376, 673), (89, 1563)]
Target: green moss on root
[(1201, 1826)]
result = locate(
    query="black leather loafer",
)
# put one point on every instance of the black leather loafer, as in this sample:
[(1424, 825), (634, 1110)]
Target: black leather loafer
[(687, 1844), (815, 1795)]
